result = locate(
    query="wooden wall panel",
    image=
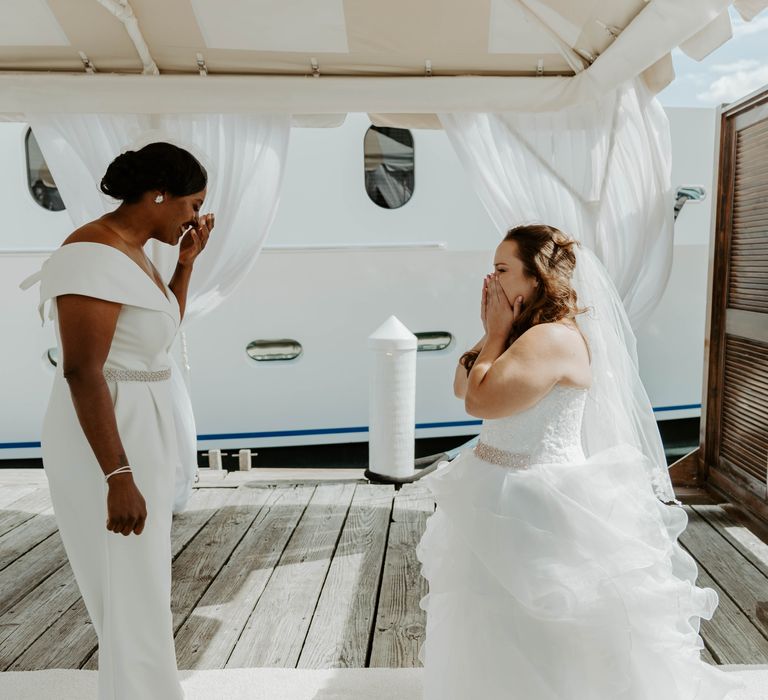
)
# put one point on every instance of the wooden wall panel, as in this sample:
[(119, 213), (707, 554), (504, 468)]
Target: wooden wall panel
[(735, 430), (748, 259), (744, 412)]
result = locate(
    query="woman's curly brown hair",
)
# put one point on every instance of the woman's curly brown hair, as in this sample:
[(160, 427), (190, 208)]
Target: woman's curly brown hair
[(548, 255)]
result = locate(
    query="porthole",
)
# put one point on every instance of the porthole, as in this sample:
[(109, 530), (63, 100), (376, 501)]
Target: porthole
[(39, 179), (433, 341), (389, 166), (282, 350)]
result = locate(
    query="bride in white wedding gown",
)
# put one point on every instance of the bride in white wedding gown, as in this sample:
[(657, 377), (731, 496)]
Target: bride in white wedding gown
[(553, 567)]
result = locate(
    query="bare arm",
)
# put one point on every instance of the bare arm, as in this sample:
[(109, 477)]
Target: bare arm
[(86, 327), (191, 246), (504, 380), (179, 285), (460, 376)]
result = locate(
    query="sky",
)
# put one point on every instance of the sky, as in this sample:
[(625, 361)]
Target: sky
[(737, 68)]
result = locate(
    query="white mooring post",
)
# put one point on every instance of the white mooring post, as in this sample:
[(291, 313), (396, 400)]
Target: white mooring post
[(214, 459), (244, 459), (392, 400)]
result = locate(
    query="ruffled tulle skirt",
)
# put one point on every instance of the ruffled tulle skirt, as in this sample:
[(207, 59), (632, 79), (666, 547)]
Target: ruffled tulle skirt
[(561, 582)]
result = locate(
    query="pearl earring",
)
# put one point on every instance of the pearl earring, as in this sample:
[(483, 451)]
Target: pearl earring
[(159, 199)]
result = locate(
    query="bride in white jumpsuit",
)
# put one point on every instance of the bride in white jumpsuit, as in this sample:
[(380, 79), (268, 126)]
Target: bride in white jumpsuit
[(111, 409)]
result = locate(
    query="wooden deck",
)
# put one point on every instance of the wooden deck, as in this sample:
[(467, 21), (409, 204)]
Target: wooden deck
[(309, 569)]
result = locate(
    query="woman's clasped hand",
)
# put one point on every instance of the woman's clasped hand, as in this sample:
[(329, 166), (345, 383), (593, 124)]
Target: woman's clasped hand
[(497, 313), (195, 239)]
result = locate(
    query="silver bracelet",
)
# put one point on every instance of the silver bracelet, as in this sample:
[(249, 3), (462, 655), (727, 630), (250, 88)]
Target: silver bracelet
[(119, 470)]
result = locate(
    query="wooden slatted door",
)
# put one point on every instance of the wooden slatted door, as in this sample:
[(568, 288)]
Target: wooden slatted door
[(736, 413)]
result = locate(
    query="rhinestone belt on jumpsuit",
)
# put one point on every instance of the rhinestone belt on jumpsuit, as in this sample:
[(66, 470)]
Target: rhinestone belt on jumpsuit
[(502, 458), (137, 375)]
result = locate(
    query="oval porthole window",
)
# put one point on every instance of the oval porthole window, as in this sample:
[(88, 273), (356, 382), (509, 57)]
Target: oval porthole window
[(432, 341), (53, 356), (389, 166), (41, 184), (274, 350)]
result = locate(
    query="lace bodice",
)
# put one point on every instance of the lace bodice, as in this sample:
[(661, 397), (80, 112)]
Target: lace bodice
[(549, 431)]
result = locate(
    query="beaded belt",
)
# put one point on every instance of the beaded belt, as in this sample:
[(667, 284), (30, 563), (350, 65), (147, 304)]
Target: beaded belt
[(502, 458), (137, 375)]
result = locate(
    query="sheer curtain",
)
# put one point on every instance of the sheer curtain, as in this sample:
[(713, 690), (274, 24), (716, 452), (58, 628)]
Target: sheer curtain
[(245, 157), (599, 171)]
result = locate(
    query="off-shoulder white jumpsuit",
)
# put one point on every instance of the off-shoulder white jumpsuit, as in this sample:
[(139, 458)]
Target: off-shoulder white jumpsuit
[(125, 581)]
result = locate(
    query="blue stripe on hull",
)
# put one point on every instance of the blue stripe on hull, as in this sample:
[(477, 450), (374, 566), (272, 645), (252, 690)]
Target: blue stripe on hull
[(330, 431), (677, 408), (17, 445)]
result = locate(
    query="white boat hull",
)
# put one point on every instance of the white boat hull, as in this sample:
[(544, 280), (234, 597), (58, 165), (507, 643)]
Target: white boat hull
[(336, 267)]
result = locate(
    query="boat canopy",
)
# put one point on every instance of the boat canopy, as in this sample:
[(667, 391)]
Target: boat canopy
[(399, 59), (548, 104)]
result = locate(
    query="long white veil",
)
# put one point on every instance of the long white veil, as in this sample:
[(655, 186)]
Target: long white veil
[(618, 410)]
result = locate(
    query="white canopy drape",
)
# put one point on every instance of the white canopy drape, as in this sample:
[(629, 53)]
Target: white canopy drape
[(244, 155), (600, 172)]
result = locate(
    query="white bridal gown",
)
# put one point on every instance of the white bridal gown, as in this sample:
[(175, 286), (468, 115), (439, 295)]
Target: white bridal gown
[(125, 581), (557, 577)]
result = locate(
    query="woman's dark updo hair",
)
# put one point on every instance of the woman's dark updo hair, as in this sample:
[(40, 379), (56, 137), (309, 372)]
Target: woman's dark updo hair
[(157, 166)]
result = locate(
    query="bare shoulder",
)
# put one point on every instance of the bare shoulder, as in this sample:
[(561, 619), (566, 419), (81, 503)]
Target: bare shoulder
[(95, 232), (550, 339), (561, 346)]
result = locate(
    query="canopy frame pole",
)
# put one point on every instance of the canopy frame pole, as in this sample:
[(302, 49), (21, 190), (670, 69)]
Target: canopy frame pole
[(124, 12)]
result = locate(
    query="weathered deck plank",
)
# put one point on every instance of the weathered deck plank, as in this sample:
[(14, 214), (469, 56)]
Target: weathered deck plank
[(296, 475), (413, 503), (745, 584), (26, 536), (201, 560), (10, 494), (275, 632), (400, 622), (343, 621), (730, 635), (24, 508), (739, 535), (707, 656), (203, 504), (210, 633), (70, 639), (311, 573), (25, 478), (197, 566), (35, 618), (30, 569)]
